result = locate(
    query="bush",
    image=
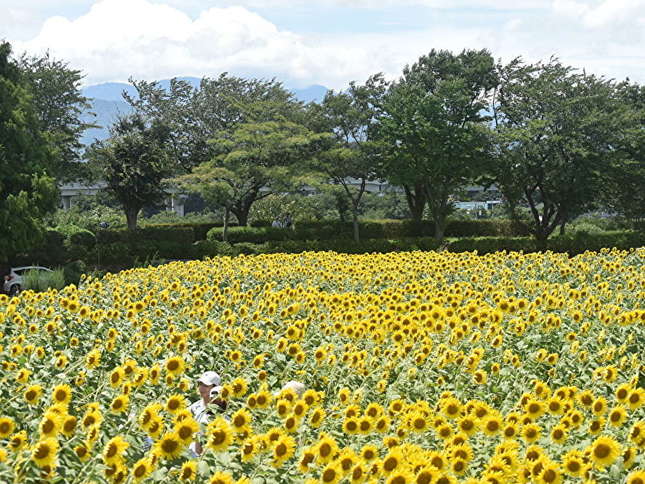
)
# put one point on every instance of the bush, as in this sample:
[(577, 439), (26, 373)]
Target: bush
[(73, 271)]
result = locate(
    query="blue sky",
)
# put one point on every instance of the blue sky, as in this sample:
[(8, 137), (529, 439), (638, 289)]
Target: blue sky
[(327, 42)]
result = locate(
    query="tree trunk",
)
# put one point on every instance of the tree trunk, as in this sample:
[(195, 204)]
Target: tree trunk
[(416, 199), (541, 240), (439, 228), (131, 214), (355, 224), (227, 214), (241, 211)]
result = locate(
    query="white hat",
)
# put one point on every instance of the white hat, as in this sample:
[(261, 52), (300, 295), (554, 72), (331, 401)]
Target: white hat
[(296, 386), (215, 391), (210, 378)]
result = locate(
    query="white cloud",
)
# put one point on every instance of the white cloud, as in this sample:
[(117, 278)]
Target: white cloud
[(147, 39)]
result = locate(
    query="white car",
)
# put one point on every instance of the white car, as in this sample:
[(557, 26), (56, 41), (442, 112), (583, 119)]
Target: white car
[(13, 282)]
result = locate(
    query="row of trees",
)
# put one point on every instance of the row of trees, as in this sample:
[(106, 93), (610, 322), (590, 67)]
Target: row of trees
[(554, 140)]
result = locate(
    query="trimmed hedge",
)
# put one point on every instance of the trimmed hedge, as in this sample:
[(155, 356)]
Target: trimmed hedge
[(118, 249), (483, 245), (382, 229)]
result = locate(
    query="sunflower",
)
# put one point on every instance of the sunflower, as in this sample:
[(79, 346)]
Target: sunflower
[(241, 421), (559, 434), (92, 418), (637, 433), (491, 424), (350, 426), (50, 424), (119, 404), (175, 366), (114, 449), (531, 433), (306, 459), (239, 387), (44, 452), (550, 474), (617, 416), (169, 446), (221, 478), (636, 398), (186, 428), (331, 473), (599, 406), (188, 471), (573, 463), (93, 359), (116, 377), (535, 409), (629, 456), (148, 414), (18, 441), (604, 451), (467, 425), (82, 451), (316, 418), (32, 394), (68, 426), (142, 469), (283, 449), (392, 461), (400, 477), (326, 449), (636, 477), (7, 426), (220, 435), (62, 394), (175, 403)]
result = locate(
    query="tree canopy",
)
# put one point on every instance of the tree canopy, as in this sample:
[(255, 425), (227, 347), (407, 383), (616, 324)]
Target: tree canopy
[(27, 193)]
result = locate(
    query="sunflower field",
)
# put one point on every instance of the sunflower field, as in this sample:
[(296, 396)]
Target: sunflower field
[(418, 367)]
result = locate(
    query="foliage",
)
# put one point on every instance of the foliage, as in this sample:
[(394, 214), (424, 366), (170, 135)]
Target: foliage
[(40, 281), (432, 129), (350, 160), (134, 162), (27, 193), (255, 160), (557, 130), (56, 94), (195, 116), (416, 367)]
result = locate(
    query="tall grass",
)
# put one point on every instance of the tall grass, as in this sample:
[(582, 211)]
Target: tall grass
[(42, 280)]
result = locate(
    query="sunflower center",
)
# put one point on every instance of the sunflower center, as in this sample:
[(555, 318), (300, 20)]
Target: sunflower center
[(329, 475), (42, 452), (169, 445), (280, 449), (601, 451)]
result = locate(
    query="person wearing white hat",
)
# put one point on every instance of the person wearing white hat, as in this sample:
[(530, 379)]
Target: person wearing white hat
[(208, 387)]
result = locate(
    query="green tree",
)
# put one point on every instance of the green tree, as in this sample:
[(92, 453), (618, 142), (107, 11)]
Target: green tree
[(432, 123), (352, 159), (195, 115), (134, 162), (556, 129), (254, 161), (59, 104), (27, 193), (623, 189)]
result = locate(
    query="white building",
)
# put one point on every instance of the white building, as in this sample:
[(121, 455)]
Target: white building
[(68, 191)]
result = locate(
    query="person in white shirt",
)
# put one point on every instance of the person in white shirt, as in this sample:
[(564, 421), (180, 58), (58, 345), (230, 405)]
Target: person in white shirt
[(209, 387)]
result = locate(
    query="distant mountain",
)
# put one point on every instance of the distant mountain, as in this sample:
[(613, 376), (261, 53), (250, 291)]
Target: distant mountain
[(106, 113), (107, 103)]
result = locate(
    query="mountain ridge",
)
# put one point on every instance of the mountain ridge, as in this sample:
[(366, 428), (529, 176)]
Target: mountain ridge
[(107, 103)]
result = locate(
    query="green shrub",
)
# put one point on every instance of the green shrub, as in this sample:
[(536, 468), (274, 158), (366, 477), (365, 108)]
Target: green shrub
[(73, 271)]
